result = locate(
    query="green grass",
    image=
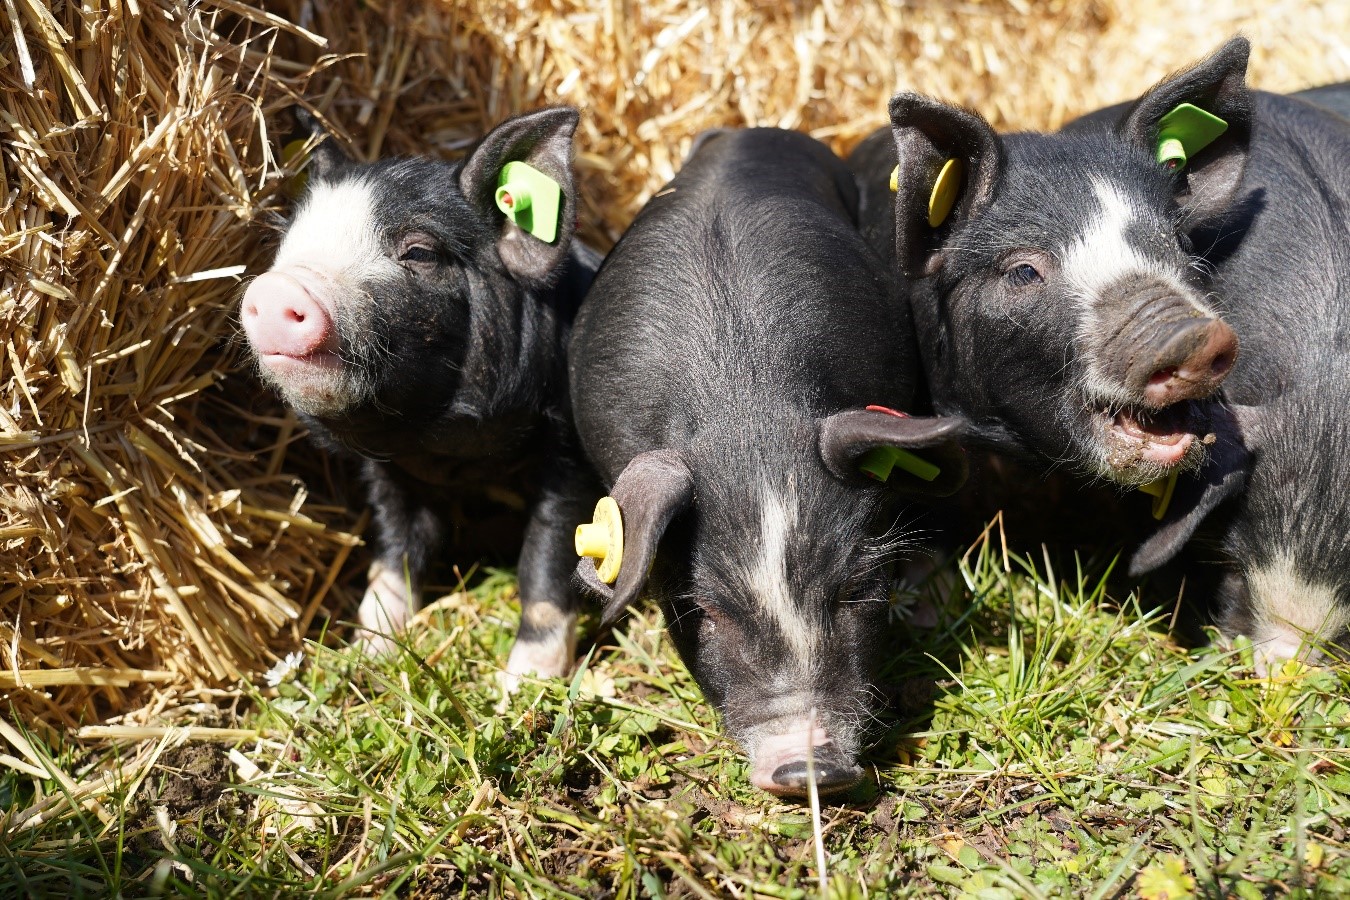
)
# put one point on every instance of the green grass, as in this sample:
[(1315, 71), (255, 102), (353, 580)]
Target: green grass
[(1044, 740)]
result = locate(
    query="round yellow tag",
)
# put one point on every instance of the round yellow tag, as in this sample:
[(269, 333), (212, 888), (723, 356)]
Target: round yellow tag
[(602, 540), (945, 189)]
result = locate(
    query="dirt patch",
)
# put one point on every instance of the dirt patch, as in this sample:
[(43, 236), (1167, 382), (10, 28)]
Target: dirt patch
[(445, 881), (191, 778), (581, 782), (189, 783)]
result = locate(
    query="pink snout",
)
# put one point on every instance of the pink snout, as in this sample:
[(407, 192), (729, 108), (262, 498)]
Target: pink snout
[(783, 764), (282, 318), (1192, 364)]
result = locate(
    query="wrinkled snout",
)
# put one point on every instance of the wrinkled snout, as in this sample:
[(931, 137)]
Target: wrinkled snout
[(783, 762), (1187, 361), (1161, 348), (282, 318)]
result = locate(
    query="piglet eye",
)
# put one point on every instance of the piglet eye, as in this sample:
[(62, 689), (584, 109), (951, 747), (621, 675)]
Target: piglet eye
[(1024, 274), (418, 253)]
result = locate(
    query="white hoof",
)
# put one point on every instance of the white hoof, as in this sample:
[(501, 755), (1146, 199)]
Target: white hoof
[(548, 658), (385, 609)]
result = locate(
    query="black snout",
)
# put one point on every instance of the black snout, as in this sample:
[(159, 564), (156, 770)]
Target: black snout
[(832, 775)]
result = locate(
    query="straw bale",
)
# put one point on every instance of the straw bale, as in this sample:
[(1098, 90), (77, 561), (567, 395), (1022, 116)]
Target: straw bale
[(162, 522)]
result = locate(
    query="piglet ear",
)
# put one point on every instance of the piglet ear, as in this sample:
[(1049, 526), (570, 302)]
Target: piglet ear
[(847, 437), (653, 488), (928, 136), (1211, 174), (542, 141), (326, 157), (1224, 475)]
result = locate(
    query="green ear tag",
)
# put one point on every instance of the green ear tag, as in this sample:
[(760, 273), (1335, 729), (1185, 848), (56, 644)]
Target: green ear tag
[(531, 199), (1184, 132), (1161, 491), (878, 463)]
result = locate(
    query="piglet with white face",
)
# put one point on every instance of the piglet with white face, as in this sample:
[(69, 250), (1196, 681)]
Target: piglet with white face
[(411, 321)]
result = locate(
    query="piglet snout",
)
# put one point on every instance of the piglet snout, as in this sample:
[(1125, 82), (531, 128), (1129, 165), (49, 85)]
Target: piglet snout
[(282, 318), (783, 763), (1191, 363)]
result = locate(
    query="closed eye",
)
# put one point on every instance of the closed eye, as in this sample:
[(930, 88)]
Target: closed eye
[(419, 253), (1023, 274)]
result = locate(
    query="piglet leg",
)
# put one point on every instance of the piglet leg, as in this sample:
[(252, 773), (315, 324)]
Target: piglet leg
[(546, 641), (407, 534)]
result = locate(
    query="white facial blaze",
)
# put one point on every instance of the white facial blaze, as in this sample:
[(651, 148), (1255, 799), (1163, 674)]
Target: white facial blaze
[(769, 578), (1289, 612), (1103, 256), (334, 233)]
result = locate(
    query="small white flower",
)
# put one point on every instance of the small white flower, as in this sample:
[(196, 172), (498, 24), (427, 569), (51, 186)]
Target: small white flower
[(595, 683), (284, 669)]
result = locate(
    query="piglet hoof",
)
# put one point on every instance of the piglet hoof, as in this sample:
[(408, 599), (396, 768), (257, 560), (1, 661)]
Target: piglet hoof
[(384, 611), (547, 657)]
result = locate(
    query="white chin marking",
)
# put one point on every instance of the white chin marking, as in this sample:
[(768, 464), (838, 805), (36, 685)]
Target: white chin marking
[(1291, 615), (384, 610)]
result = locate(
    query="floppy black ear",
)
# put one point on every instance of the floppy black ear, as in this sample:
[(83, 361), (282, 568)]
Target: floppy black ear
[(326, 157), (1224, 475), (927, 134), (542, 140), (652, 489), (846, 437), (1210, 178)]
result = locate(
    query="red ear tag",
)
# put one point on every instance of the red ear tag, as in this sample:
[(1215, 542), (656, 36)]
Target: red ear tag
[(888, 411), (508, 199)]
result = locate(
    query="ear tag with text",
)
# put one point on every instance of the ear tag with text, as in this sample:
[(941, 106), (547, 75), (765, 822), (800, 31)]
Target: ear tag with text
[(879, 462), (530, 199), (945, 189), (602, 540), (295, 185), (1161, 491), (1184, 132)]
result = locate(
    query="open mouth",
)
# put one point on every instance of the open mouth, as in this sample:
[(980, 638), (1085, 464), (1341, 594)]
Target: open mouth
[(1143, 444), (319, 361)]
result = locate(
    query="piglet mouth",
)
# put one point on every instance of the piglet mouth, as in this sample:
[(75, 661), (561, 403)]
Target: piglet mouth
[(1143, 444), (318, 361)]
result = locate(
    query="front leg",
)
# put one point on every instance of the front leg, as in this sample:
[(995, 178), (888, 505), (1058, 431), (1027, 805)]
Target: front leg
[(407, 533), (547, 638)]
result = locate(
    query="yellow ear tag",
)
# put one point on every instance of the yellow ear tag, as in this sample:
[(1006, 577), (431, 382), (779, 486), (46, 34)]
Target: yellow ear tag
[(602, 540), (295, 185), (895, 180), (945, 189), (1161, 491)]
